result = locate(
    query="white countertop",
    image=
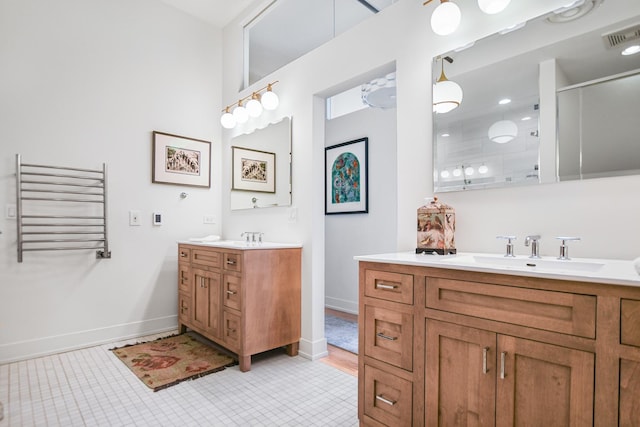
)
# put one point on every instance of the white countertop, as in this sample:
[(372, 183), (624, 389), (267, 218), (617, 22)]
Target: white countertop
[(240, 245), (616, 272)]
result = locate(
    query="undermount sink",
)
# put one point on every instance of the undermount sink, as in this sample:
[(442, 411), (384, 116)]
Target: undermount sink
[(527, 263)]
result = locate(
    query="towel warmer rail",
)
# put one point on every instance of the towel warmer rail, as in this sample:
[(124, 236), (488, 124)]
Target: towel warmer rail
[(77, 220)]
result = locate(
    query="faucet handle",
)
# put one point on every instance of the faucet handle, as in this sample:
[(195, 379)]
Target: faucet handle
[(564, 249), (509, 240)]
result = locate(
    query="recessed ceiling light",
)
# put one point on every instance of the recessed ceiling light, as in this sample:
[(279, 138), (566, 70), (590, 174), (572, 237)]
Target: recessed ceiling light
[(524, 119), (444, 135), (504, 101), (631, 50)]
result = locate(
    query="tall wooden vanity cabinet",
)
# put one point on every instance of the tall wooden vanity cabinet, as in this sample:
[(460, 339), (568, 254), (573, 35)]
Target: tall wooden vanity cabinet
[(246, 300), (444, 347)]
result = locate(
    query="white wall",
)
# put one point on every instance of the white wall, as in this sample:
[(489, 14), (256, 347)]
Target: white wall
[(86, 82), (401, 33), (358, 234)]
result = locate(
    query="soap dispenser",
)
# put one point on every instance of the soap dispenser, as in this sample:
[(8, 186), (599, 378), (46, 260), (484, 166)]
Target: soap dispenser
[(436, 228)]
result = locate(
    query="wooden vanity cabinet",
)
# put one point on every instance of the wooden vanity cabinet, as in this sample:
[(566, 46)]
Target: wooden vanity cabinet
[(498, 350), (246, 300)]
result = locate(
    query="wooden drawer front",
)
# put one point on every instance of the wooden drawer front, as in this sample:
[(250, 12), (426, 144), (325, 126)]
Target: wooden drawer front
[(389, 286), (184, 307), (388, 336), (548, 310), (232, 330), (206, 257), (231, 292), (387, 398), (630, 322), (184, 254), (232, 262), (184, 278)]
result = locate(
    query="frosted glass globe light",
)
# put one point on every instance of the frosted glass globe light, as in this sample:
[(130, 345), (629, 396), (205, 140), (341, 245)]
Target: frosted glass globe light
[(240, 114), (457, 172), (469, 171), (447, 95), (254, 107), (444, 174), (483, 169), (270, 100), (503, 131), (227, 120), (491, 7), (446, 18)]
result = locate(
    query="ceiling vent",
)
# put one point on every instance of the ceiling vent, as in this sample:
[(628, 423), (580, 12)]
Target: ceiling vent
[(616, 38)]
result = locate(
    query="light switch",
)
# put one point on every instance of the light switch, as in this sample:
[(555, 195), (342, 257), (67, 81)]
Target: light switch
[(134, 218), (10, 211)]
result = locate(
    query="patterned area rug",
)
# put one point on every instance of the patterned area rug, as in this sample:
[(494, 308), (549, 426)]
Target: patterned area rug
[(168, 361), (341, 333)]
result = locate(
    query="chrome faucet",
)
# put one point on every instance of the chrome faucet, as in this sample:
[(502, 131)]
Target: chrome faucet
[(534, 240), (564, 249), (509, 239)]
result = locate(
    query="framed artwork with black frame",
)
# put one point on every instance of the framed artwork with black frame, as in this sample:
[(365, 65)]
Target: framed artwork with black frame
[(181, 160), (346, 177)]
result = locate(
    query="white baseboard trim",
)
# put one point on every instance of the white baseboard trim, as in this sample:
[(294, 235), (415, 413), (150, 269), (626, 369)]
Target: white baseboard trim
[(313, 350), (38, 347), (341, 305)]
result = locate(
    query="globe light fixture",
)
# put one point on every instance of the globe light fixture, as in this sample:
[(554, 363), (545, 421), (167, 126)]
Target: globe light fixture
[(254, 107), (240, 113), (483, 169), (270, 100), (446, 18), (503, 131), (491, 7), (227, 120)]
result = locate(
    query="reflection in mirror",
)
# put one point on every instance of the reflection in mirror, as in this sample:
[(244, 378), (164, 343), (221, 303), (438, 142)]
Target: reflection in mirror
[(579, 61), (272, 148)]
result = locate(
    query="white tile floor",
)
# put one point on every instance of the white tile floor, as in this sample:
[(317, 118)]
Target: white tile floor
[(91, 387)]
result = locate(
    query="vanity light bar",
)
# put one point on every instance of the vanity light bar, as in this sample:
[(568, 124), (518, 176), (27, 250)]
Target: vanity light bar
[(253, 108)]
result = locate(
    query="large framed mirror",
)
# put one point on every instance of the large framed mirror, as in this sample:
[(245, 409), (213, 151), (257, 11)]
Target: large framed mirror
[(261, 167), (571, 109)]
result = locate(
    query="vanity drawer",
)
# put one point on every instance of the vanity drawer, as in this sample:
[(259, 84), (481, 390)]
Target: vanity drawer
[(562, 312), (388, 336), (184, 307), (231, 292), (184, 278), (232, 262), (629, 322), (232, 323), (184, 255), (205, 257), (389, 286), (387, 398)]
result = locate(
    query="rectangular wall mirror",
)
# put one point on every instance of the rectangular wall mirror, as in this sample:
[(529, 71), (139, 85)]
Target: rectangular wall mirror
[(261, 167), (570, 91)]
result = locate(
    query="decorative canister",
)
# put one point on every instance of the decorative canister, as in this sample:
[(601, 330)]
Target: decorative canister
[(436, 228)]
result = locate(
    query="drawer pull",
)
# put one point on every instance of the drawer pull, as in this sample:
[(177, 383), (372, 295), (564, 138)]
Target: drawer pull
[(484, 360), (385, 400), (231, 292), (383, 286), (386, 337), (183, 254), (502, 357), (231, 262)]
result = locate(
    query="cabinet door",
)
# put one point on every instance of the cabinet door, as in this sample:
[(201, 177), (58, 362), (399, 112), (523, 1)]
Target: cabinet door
[(206, 301), (460, 375), (543, 384)]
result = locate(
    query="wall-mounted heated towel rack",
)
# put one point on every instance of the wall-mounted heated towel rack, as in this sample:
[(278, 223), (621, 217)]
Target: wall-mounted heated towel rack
[(61, 208)]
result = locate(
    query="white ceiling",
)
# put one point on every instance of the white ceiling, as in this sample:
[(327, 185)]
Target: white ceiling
[(215, 12)]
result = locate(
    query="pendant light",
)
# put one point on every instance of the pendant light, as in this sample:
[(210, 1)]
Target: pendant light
[(491, 7), (447, 95), (503, 131), (446, 18), (227, 120)]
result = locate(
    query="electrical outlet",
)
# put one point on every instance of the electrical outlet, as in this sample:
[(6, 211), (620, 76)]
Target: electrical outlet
[(134, 218), (208, 219)]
